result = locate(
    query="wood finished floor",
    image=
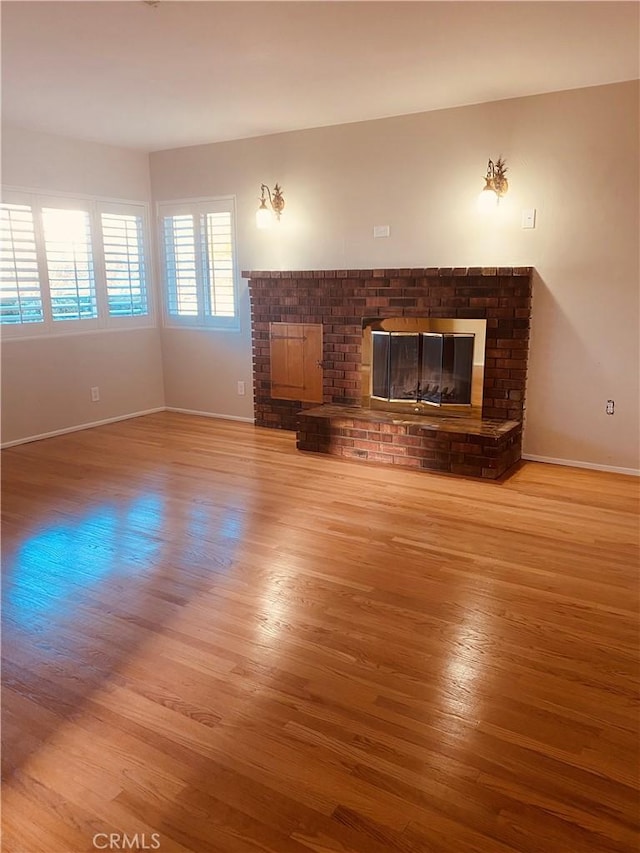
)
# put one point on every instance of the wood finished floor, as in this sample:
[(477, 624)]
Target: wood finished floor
[(210, 636)]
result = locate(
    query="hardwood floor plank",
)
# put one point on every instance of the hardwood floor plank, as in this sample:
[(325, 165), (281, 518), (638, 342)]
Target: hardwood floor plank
[(211, 636)]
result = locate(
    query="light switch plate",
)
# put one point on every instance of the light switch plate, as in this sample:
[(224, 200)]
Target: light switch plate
[(529, 218)]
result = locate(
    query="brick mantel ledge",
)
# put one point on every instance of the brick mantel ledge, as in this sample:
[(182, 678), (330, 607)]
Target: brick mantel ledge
[(425, 272)]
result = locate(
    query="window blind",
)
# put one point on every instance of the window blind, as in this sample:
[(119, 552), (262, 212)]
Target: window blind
[(67, 237), (180, 265), (122, 238), (20, 295), (198, 240), (221, 287)]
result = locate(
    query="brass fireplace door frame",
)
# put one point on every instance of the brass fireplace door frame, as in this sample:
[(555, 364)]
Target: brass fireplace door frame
[(413, 325)]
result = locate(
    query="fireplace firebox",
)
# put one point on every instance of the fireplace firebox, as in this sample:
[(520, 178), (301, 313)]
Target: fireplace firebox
[(424, 365), (429, 367)]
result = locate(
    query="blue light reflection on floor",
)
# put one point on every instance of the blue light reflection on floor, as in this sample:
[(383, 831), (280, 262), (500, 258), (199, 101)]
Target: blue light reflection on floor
[(232, 524), (111, 540), (207, 523), (145, 518)]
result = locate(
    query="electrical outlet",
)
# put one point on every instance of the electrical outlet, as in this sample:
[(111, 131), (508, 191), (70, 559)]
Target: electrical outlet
[(95, 394), (241, 389), (611, 407)]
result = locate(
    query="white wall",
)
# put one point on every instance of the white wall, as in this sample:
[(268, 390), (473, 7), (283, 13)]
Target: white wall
[(573, 156), (46, 381)]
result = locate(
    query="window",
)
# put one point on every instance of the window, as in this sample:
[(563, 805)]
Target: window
[(123, 241), (221, 289), (20, 297), (67, 242), (198, 243), (180, 266), (71, 264)]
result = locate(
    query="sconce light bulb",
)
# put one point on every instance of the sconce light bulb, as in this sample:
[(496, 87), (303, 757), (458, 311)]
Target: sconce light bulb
[(264, 216), (488, 199)]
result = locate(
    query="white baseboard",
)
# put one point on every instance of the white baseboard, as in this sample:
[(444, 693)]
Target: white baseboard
[(80, 427), (209, 415), (573, 463)]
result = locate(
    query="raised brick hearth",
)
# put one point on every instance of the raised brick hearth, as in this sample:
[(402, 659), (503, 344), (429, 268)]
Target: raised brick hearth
[(477, 448), (340, 299)]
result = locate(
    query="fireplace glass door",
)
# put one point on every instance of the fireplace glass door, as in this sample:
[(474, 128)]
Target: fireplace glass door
[(428, 367)]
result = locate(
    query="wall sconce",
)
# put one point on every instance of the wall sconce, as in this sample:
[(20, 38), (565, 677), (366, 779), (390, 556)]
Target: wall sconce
[(496, 185), (264, 214)]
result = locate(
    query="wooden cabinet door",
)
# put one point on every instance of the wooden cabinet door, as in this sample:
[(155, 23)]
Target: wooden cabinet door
[(296, 361)]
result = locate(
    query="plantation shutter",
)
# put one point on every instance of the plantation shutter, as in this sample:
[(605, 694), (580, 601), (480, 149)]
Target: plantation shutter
[(122, 237), (20, 294), (219, 241), (198, 240), (180, 265), (67, 239)]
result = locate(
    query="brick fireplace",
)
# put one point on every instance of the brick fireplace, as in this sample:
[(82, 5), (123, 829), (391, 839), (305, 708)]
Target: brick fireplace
[(338, 301)]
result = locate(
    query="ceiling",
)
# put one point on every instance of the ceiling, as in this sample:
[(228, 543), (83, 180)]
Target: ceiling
[(183, 73)]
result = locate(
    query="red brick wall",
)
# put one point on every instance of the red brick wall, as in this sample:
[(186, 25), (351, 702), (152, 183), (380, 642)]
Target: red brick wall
[(339, 299), (474, 454)]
